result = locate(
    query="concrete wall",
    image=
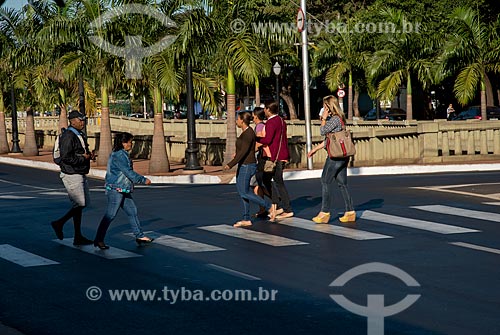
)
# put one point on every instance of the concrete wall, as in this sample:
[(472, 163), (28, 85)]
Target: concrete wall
[(377, 142)]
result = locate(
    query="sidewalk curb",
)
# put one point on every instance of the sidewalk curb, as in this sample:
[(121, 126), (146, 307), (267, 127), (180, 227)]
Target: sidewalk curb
[(287, 175)]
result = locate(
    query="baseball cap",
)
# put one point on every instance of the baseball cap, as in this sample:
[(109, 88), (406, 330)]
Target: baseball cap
[(76, 114)]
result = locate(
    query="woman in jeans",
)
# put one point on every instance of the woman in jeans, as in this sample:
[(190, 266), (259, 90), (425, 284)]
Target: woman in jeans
[(120, 179), (247, 166), (335, 170)]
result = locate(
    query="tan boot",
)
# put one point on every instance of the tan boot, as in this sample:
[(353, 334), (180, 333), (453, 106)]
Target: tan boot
[(322, 217), (348, 217)]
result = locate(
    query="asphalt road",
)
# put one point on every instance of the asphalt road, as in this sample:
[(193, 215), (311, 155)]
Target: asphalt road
[(435, 237)]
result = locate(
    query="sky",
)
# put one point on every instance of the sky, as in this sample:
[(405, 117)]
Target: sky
[(18, 4)]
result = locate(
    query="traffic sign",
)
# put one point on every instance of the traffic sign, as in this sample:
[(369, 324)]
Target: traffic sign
[(301, 20), (341, 93)]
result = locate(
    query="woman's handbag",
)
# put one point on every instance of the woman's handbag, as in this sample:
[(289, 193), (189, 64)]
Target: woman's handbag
[(269, 166), (340, 144)]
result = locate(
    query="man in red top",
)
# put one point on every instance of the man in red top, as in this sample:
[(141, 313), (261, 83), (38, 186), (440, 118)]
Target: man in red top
[(277, 141)]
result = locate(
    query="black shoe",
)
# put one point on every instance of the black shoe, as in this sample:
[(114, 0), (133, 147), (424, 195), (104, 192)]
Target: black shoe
[(82, 241), (144, 240), (58, 230), (101, 245)]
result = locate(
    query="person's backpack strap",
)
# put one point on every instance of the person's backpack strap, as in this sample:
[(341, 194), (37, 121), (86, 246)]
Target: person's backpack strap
[(80, 137)]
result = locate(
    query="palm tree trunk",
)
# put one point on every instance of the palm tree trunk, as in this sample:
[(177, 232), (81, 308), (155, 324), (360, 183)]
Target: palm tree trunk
[(231, 119), (483, 100), (105, 138), (349, 98), (355, 103), (490, 99), (30, 147), (286, 95), (257, 92), (409, 98), (4, 144), (63, 115), (158, 162)]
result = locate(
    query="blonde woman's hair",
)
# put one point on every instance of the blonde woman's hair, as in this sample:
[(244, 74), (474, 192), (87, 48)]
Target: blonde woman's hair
[(334, 107)]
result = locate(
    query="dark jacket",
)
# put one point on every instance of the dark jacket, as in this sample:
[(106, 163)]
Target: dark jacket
[(72, 160)]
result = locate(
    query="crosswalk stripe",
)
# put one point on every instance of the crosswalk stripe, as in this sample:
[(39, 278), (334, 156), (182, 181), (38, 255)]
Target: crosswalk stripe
[(111, 253), (182, 244), (351, 233), (468, 213), (23, 258), (476, 247), (414, 223), (273, 240)]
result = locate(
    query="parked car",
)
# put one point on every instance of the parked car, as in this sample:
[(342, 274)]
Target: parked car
[(371, 115), (138, 115), (474, 112), (396, 114)]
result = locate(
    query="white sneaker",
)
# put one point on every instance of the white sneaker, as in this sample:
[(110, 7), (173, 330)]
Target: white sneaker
[(240, 224)]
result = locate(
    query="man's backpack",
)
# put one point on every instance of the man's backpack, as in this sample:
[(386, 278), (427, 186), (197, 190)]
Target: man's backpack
[(56, 152)]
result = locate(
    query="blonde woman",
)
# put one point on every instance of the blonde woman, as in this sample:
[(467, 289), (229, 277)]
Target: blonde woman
[(334, 170)]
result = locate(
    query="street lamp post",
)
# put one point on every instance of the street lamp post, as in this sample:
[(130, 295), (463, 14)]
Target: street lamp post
[(192, 162), (15, 132), (277, 71)]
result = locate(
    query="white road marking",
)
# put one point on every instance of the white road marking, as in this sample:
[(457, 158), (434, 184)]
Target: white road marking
[(346, 232), (468, 213), (24, 185), (111, 253), (414, 223), (54, 193), (233, 272), (448, 189), (23, 258), (492, 203), (15, 197), (273, 240), (476, 247), (182, 244)]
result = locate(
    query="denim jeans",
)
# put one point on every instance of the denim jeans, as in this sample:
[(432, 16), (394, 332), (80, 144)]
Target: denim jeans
[(245, 173), (279, 193), (335, 170), (117, 200), (78, 189)]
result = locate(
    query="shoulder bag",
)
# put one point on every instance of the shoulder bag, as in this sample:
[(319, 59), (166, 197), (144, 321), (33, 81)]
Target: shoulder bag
[(340, 144)]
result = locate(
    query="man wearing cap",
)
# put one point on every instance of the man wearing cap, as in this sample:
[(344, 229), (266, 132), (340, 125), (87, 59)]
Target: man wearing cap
[(75, 164)]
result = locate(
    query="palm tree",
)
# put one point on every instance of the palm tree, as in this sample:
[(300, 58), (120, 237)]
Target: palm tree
[(343, 54), (26, 58), (4, 144), (473, 49), (400, 56), (4, 68), (241, 56), (66, 30)]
